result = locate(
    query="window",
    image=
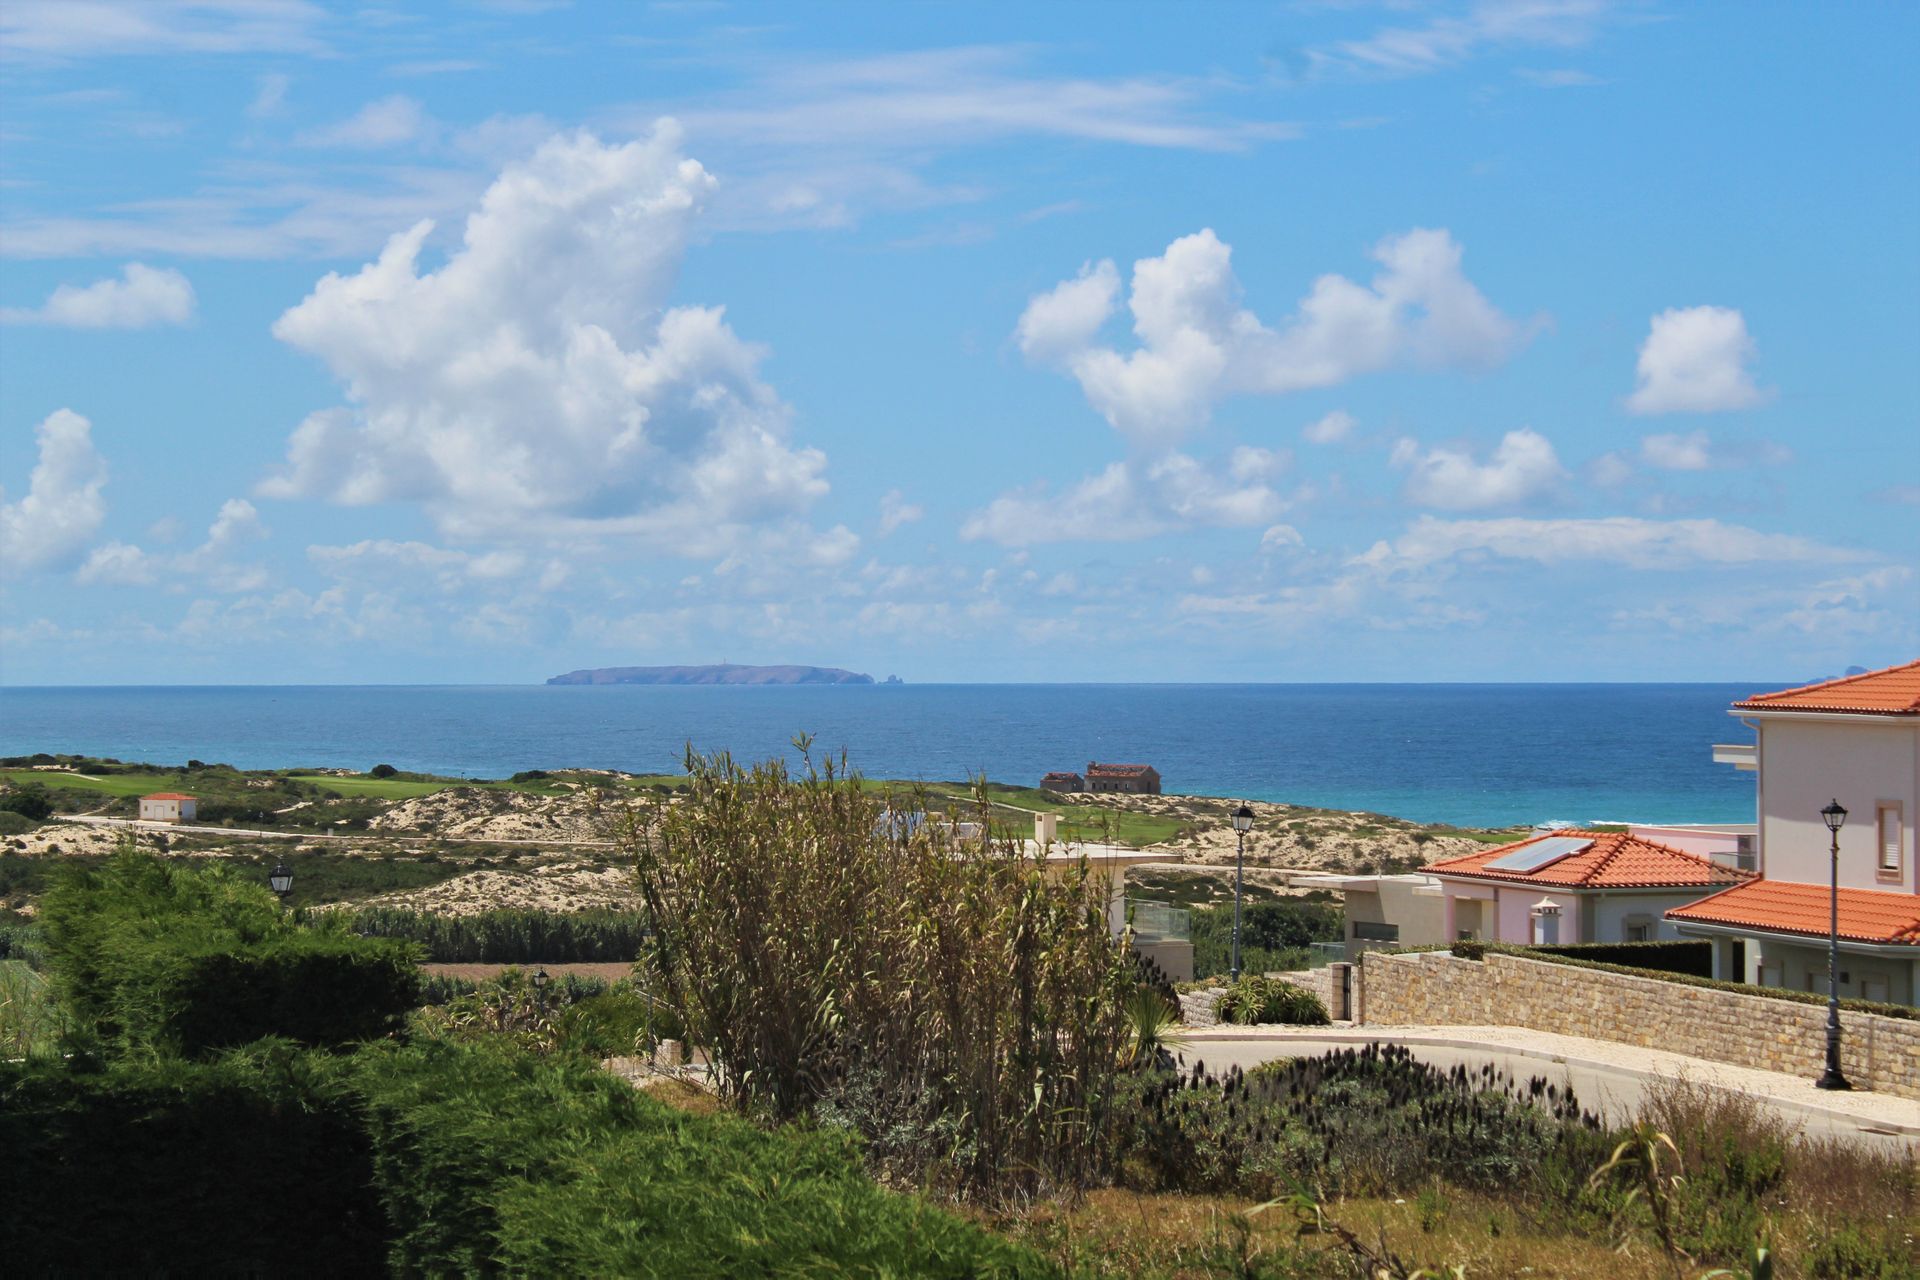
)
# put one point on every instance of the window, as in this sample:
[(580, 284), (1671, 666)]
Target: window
[(1370, 931), (1890, 837), (1639, 931)]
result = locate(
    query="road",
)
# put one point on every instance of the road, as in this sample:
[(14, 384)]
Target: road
[(1615, 1091), (384, 837)]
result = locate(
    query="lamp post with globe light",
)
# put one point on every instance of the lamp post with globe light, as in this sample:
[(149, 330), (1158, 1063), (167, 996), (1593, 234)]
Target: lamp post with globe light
[(1242, 823), (1834, 816)]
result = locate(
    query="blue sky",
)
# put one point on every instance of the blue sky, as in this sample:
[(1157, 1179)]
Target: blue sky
[(1525, 339)]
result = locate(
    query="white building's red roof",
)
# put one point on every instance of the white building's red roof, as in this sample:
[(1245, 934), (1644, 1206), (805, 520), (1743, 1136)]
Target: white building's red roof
[(1890, 691)]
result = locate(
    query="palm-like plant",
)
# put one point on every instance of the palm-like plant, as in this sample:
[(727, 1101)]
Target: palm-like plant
[(1153, 1028)]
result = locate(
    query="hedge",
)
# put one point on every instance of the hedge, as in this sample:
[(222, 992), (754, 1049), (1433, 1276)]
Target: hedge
[(256, 1164), (511, 936), (1693, 957), (437, 1158), (152, 956), (1478, 950)]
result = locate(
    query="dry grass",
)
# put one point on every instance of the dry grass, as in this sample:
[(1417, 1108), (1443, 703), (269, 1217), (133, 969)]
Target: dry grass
[(1117, 1233), (682, 1096)]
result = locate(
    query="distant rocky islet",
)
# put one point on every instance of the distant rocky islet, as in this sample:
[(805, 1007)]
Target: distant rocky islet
[(716, 673)]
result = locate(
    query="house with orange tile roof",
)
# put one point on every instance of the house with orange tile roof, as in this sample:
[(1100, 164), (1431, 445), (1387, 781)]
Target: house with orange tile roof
[(168, 806), (1856, 740), (1574, 886)]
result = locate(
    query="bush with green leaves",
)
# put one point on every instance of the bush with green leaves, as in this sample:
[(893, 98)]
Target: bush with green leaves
[(440, 1159), (1274, 936), (30, 801), (515, 936), (1367, 1121), (1257, 999), (16, 824), (158, 956)]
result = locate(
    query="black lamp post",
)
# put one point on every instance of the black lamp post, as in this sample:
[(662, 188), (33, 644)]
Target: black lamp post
[(540, 981), (280, 880), (1834, 816), (1242, 823)]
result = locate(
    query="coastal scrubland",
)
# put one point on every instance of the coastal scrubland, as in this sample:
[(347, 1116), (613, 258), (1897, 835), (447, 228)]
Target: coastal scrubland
[(543, 839), (921, 1060)]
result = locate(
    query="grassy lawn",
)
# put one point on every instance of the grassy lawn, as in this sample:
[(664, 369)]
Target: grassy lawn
[(360, 785), (123, 784)]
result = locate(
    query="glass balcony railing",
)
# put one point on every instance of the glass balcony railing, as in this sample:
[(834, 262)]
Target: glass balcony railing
[(1158, 921)]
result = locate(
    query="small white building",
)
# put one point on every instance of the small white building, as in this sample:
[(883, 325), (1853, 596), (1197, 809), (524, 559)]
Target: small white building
[(168, 806)]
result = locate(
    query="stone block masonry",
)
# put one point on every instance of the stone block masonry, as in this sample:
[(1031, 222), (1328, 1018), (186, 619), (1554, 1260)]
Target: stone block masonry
[(1435, 987)]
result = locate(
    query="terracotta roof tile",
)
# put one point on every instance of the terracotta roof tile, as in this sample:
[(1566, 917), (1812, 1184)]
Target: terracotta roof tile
[(167, 795), (1891, 691), (1615, 860), (1782, 906), (1117, 770)]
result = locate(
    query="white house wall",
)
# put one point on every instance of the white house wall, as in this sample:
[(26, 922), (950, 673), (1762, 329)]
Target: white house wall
[(1804, 764)]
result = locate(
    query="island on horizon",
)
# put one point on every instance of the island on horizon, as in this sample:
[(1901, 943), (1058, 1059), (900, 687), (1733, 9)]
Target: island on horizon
[(714, 673)]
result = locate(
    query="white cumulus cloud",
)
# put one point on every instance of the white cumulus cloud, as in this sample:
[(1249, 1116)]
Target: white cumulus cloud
[(1131, 500), (1522, 466), (143, 296), (1331, 429), (62, 509), (386, 122), (895, 511), (538, 381), (1197, 344), (1626, 540), (1696, 360)]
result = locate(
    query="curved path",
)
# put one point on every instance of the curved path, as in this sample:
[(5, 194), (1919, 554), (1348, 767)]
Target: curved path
[(1613, 1079)]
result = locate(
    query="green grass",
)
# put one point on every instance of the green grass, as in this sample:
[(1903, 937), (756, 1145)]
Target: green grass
[(30, 1019), (123, 784), (379, 788)]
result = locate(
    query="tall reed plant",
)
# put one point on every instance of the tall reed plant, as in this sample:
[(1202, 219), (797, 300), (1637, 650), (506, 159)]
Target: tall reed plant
[(828, 944)]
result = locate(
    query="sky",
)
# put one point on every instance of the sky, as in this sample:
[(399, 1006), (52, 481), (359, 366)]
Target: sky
[(1320, 341)]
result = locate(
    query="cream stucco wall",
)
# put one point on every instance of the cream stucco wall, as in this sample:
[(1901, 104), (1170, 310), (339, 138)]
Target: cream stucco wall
[(1806, 762)]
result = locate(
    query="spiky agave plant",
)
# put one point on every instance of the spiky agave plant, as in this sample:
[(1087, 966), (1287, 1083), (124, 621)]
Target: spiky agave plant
[(1154, 1030)]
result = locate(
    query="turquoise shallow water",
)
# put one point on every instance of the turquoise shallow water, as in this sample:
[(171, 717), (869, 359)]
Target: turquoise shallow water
[(1470, 754)]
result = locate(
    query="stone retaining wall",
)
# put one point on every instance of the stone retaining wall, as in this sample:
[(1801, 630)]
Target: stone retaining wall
[(1319, 981), (1435, 987)]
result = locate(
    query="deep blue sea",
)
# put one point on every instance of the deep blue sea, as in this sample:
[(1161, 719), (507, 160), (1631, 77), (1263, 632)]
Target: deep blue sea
[(1471, 754)]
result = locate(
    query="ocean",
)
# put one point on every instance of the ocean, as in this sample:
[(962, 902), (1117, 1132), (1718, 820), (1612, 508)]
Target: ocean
[(1471, 754)]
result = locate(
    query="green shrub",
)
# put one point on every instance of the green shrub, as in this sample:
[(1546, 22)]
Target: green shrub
[(1262, 1000), (16, 824), (435, 1159), (25, 941), (256, 1164), (1849, 1253), (1693, 957), (492, 1161), (1367, 1121), (511, 936), (30, 801), (1274, 936), (382, 771), (158, 956)]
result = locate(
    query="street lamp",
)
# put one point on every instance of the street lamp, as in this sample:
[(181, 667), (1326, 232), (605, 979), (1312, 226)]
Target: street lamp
[(540, 987), (1834, 816), (280, 880), (1242, 823)]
